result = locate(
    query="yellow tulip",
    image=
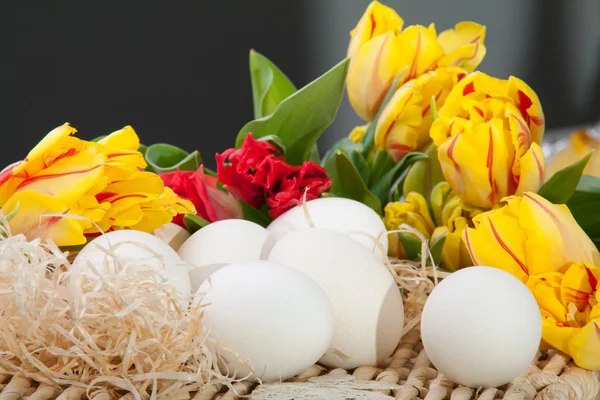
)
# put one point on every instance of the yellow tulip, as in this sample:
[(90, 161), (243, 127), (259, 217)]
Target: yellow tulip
[(102, 182), (488, 134), (463, 46), (379, 49), (405, 121), (570, 307), (529, 236), (581, 143), (449, 219)]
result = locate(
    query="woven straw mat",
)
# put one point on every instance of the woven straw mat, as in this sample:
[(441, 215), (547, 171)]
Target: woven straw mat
[(406, 375)]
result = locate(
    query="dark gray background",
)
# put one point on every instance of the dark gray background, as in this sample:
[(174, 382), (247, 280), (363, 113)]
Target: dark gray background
[(177, 70)]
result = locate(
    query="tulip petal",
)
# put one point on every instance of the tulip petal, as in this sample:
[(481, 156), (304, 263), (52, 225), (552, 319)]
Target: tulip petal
[(69, 178), (546, 290), (29, 221), (372, 72), (123, 139), (579, 285), (531, 173), (54, 144), (557, 334), (554, 234), (421, 208), (584, 346), (405, 122), (358, 132), (529, 105), (476, 85), (463, 45), (377, 20), (498, 241), (581, 143), (420, 50), (485, 145)]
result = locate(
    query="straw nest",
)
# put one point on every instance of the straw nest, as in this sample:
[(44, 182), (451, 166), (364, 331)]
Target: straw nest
[(122, 335)]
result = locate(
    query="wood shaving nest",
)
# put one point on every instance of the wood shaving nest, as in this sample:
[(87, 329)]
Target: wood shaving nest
[(109, 333)]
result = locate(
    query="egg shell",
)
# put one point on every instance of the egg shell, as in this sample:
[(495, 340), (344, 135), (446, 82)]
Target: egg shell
[(131, 245), (273, 316), (172, 234), (342, 215), (481, 327), (367, 305), (221, 243)]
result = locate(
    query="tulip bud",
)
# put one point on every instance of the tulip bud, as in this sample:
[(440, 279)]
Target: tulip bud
[(405, 121), (377, 20)]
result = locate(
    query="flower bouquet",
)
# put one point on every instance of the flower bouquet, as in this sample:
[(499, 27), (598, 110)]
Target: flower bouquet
[(433, 253)]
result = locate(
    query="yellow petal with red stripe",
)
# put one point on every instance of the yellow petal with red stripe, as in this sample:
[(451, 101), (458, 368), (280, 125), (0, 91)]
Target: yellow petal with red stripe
[(498, 241), (377, 20), (579, 285), (31, 222), (463, 45), (420, 51), (553, 237), (529, 105), (69, 178)]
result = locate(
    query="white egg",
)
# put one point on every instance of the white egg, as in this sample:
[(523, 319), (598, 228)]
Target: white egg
[(481, 327), (367, 305), (346, 216), (221, 243), (276, 318), (136, 246), (172, 234)]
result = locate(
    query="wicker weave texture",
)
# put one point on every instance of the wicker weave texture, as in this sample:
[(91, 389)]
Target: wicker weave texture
[(408, 371)]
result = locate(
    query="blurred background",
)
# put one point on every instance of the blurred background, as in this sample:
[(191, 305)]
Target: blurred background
[(177, 71)]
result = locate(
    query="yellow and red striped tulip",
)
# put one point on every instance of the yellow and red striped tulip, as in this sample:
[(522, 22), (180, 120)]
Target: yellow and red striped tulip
[(380, 49), (102, 182), (529, 236), (450, 217), (580, 144), (488, 134), (570, 306), (406, 119)]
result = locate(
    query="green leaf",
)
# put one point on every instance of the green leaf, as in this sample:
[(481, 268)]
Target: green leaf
[(347, 181), (361, 165), (162, 158), (270, 86), (411, 246), (275, 141), (436, 250), (425, 174), (301, 118), (260, 217), (584, 204), (368, 139), (193, 222), (314, 155), (559, 188), (381, 188), (382, 164), (344, 144)]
